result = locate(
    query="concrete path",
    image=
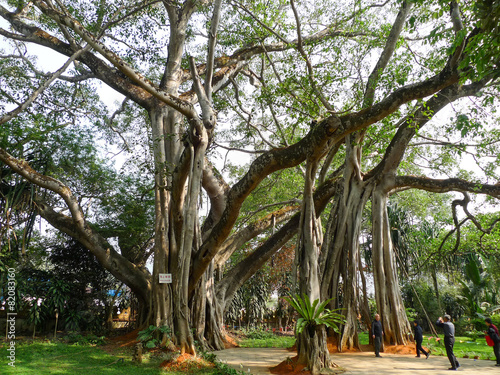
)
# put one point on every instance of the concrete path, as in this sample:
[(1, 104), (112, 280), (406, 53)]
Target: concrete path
[(258, 361), (254, 360), (396, 364)]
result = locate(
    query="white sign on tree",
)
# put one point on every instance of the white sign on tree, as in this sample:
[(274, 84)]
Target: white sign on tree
[(165, 278)]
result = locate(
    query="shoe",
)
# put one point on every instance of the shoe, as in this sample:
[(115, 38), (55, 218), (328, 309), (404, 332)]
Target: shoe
[(417, 356), (427, 355), (379, 356), (452, 369), (498, 364)]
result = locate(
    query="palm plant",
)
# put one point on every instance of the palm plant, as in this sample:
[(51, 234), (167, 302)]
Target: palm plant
[(477, 289), (315, 314), (34, 316)]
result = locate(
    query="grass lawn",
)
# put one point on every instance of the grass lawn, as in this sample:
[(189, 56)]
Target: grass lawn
[(263, 339), (464, 346), (44, 358)]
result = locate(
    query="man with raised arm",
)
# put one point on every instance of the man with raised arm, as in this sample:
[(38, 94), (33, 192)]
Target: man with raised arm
[(449, 339)]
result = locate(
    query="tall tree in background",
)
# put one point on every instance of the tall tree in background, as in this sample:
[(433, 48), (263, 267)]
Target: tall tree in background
[(344, 87)]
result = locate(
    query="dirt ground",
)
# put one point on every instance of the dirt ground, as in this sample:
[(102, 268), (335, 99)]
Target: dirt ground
[(258, 361)]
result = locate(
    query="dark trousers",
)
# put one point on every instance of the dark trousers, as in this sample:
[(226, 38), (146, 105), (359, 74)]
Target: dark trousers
[(419, 348), (377, 342), (448, 344), (496, 350)]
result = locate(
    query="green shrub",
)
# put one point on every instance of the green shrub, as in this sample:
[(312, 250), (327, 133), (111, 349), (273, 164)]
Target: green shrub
[(151, 336), (495, 319), (466, 326), (223, 369), (259, 334), (79, 339), (220, 368)]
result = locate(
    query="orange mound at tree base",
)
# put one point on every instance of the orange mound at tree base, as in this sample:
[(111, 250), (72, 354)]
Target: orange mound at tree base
[(230, 341), (185, 362), (392, 349), (126, 340), (402, 349), (290, 367)]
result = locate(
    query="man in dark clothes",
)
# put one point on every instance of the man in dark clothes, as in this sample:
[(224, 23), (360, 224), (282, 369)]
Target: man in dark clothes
[(377, 333), (418, 339), (493, 333), (449, 339)]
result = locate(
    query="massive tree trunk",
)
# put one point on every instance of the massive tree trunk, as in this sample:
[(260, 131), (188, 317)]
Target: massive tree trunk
[(340, 252), (387, 291), (177, 188), (161, 303), (312, 348)]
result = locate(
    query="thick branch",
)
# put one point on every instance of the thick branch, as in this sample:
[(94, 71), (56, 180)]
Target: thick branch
[(238, 239), (137, 278), (110, 76), (77, 227), (316, 143), (386, 55), (399, 143), (216, 189), (10, 115), (446, 185), (247, 267), (183, 107), (214, 25)]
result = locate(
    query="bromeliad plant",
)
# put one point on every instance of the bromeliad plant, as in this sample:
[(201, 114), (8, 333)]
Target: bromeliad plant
[(315, 314)]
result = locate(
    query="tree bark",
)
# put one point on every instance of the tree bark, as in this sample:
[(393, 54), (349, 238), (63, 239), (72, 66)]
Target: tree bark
[(311, 350), (340, 251), (390, 305)]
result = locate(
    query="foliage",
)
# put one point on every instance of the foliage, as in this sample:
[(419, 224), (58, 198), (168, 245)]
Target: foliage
[(70, 281), (220, 368), (224, 369), (411, 314), (84, 340), (34, 316), (314, 314), (480, 290), (258, 334), (448, 302), (250, 303), (152, 336)]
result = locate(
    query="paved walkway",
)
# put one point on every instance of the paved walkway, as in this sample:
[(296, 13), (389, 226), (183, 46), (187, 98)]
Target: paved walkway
[(257, 361)]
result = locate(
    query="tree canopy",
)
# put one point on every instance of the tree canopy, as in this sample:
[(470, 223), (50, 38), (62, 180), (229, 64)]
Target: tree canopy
[(336, 105)]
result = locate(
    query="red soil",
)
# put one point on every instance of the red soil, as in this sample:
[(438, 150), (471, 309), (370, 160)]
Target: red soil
[(230, 342), (123, 341), (185, 363), (401, 349), (128, 339), (289, 367)]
